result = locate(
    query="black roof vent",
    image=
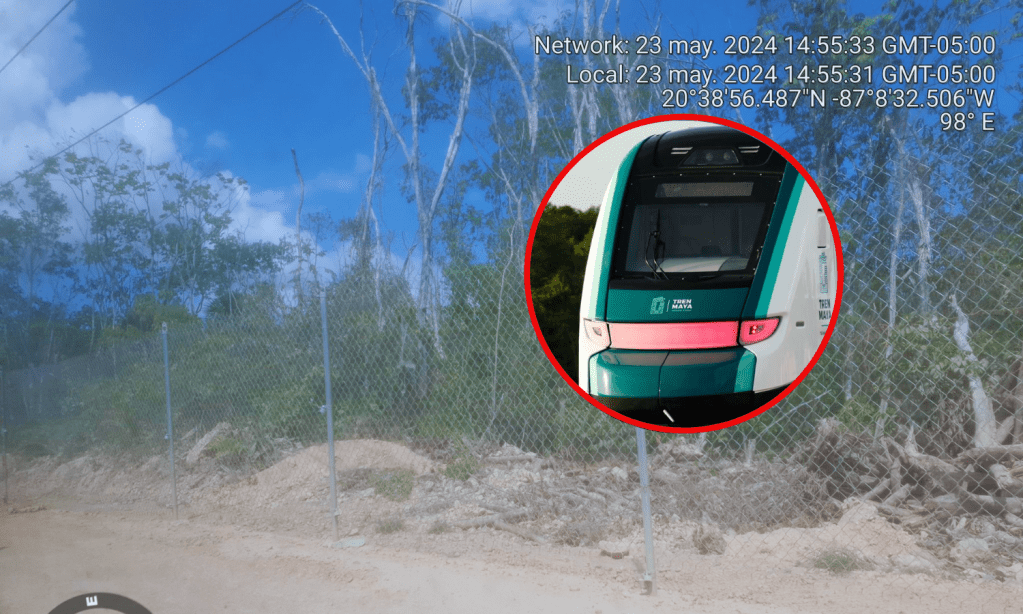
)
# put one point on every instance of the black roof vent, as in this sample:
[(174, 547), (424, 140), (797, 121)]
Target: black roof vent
[(681, 148)]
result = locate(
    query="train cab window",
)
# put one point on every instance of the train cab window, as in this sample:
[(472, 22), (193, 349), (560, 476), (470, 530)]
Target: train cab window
[(692, 237), (680, 230)]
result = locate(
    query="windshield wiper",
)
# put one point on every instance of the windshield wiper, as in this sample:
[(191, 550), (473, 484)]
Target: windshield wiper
[(655, 236)]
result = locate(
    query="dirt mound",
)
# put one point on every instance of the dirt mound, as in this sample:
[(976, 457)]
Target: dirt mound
[(860, 530), (304, 476), (98, 478), (92, 475)]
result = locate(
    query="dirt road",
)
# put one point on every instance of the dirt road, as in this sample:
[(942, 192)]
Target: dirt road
[(181, 567), (262, 543), (191, 566)]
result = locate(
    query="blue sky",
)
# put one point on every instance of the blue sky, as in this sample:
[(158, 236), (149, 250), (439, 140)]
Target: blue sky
[(288, 86)]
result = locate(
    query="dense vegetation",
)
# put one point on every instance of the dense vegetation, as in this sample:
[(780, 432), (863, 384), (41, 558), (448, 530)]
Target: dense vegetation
[(931, 224), (557, 267)]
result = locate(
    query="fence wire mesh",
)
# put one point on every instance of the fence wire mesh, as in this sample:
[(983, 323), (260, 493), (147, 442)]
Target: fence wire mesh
[(902, 451)]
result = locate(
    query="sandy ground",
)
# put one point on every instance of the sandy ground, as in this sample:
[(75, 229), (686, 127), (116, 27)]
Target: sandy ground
[(262, 544), (168, 566), (184, 566)]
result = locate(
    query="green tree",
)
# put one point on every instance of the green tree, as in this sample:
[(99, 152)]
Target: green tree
[(153, 230), (557, 267), (35, 265)]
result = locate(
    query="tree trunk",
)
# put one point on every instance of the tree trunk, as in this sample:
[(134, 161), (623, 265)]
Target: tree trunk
[(923, 247), (298, 230), (893, 296), (984, 434)]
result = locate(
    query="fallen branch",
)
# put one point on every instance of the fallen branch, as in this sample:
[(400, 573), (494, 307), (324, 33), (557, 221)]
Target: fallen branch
[(898, 496), (611, 495), (939, 476), (1005, 480), (500, 509), (992, 505), (574, 499), (484, 521), (511, 459), (875, 493), (520, 532), (1013, 519), (948, 503), (1004, 430), (985, 457), (914, 522), (889, 510), (668, 477), (597, 498)]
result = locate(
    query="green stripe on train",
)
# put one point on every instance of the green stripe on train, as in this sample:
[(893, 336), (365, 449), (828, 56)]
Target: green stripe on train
[(774, 245), (599, 293)]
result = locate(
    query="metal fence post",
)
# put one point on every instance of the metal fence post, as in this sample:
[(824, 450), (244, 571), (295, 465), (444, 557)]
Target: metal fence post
[(170, 422), (329, 411), (649, 577), (3, 428)]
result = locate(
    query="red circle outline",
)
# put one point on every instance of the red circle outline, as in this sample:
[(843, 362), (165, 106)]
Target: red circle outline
[(834, 233)]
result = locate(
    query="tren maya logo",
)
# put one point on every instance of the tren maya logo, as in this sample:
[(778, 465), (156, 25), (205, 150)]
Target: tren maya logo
[(658, 305)]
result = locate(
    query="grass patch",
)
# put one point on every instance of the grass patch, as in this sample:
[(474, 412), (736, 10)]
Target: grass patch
[(839, 561), (464, 466), (392, 524), (395, 485), (439, 527), (465, 463), (230, 451)]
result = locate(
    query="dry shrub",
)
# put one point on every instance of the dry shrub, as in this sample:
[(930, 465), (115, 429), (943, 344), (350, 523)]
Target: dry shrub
[(390, 524), (355, 479), (840, 561), (580, 533), (758, 497)]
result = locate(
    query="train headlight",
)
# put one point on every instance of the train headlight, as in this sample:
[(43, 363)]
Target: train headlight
[(597, 334), (713, 157)]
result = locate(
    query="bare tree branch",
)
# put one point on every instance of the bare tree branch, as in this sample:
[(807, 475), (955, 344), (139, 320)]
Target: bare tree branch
[(298, 228)]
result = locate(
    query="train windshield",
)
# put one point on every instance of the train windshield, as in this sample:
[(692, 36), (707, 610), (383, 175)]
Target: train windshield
[(689, 230)]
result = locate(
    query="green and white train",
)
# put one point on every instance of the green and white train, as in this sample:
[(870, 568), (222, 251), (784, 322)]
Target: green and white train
[(710, 282)]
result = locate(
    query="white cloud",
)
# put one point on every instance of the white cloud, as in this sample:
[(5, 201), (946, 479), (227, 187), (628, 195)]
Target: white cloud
[(256, 223), (35, 119), (363, 164), (145, 127), (285, 199), (519, 15), (260, 224), (333, 181), (51, 62), (270, 198), (217, 140), (508, 11)]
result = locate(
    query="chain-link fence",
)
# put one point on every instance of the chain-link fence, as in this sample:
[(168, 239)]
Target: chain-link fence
[(902, 451)]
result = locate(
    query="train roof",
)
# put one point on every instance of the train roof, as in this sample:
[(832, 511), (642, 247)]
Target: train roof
[(687, 151)]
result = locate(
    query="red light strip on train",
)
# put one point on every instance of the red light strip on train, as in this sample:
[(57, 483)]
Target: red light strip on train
[(673, 335), (689, 335)]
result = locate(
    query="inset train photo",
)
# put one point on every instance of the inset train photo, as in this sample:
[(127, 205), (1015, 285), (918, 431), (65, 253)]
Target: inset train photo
[(711, 280)]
